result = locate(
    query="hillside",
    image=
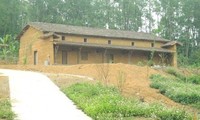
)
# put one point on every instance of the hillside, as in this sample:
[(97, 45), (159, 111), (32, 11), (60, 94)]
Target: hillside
[(136, 83)]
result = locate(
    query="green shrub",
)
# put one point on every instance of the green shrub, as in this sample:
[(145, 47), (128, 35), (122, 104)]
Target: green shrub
[(103, 102), (175, 73), (182, 60), (194, 79), (178, 91), (158, 85), (172, 114), (5, 110)]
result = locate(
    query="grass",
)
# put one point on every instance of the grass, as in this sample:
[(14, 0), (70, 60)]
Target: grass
[(179, 91), (5, 110), (101, 102)]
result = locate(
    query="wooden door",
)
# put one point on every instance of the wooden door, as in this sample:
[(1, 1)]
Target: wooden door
[(64, 57), (35, 57), (110, 58)]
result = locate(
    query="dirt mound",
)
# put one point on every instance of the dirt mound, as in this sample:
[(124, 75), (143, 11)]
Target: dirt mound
[(136, 77)]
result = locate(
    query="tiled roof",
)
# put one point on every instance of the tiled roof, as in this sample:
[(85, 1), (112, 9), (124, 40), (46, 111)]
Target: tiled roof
[(106, 46), (96, 32), (171, 43)]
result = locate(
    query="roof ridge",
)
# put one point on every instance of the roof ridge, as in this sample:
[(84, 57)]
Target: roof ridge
[(97, 28)]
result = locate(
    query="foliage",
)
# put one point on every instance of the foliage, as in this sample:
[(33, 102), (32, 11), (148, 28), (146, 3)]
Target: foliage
[(117, 14), (102, 102), (10, 17), (182, 60), (175, 72), (5, 110), (195, 58), (194, 79), (179, 91), (179, 21), (196, 105), (150, 59), (9, 53)]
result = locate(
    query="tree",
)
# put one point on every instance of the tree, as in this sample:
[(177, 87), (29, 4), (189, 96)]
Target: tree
[(128, 14), (179, 21), (10, 13)]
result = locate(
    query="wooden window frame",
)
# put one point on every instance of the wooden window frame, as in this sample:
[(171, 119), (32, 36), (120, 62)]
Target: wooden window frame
[(64, 57), (109, 42), (63, 38), (152, 44), (35, 57), (133, 43), (85, 40), (110, 58)]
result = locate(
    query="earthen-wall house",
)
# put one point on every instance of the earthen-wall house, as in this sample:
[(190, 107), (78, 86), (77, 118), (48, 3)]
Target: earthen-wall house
[(56, 44)]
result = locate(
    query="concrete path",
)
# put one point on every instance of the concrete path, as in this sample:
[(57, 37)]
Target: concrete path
[(35, 97)]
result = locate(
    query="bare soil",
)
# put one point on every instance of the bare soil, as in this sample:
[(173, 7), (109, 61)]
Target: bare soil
[(4, 87), (66, 80), (137, 83)]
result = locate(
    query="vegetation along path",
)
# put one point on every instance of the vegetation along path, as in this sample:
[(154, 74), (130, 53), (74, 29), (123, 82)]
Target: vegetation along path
[(35, 97)]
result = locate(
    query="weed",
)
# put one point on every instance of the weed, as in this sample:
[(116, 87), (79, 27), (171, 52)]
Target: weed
[(24, 60), (5, 110), (163, 58), (121, 80), (103, 71)]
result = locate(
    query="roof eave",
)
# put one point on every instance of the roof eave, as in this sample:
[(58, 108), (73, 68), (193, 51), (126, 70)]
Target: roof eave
[(26, 28), (110, 37), (172, 44), (112, 47), (22, 32)]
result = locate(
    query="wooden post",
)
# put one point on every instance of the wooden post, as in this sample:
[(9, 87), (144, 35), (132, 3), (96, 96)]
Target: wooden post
[(174, 59), (56, 48), (129, 57), (79, 55), (104, 56)]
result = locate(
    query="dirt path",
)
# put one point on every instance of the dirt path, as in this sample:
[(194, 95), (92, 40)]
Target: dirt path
[(36, 97)]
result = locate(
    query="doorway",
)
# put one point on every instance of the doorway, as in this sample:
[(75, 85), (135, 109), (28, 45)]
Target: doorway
[(64, 57), (35, 57), (110, 58)]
